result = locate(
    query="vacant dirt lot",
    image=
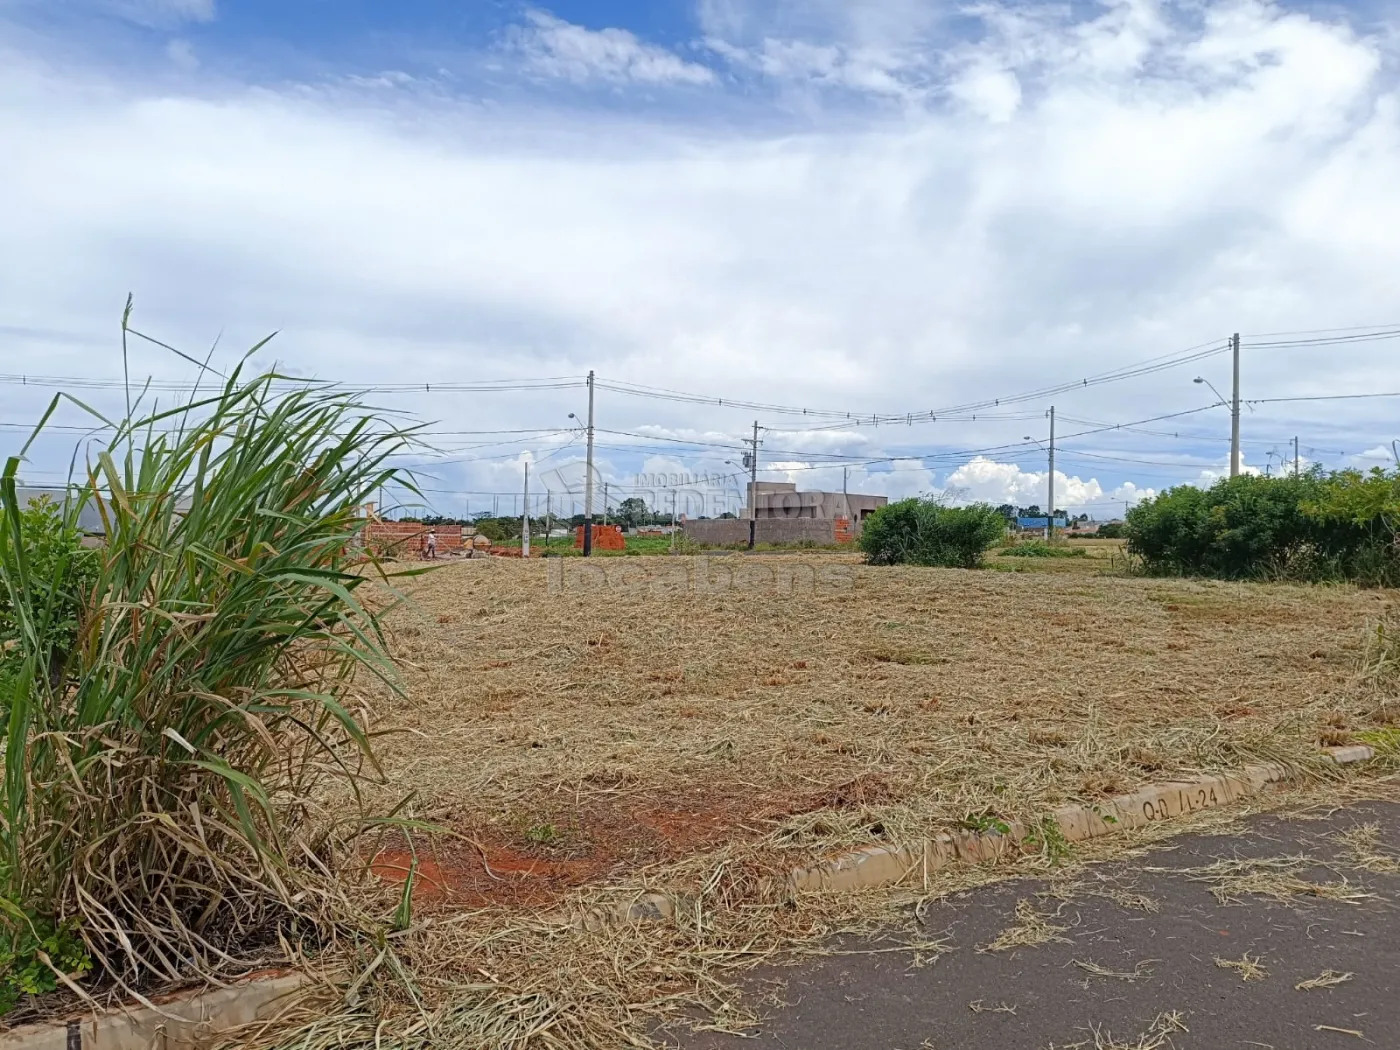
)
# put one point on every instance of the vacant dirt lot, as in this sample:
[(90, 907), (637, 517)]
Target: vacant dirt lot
[(580, 722)]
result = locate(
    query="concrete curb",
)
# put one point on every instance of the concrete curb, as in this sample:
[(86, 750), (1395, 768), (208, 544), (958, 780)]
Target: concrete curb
[(186, 1023), (180, 1024), (872, 866)]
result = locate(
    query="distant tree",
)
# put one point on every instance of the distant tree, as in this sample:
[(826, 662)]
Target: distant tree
[(497, 530), (1033, 511), (1007, 511), (632, 511)]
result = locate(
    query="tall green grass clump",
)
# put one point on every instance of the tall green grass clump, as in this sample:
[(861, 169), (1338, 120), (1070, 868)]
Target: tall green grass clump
[(181, 700), (923, 532)]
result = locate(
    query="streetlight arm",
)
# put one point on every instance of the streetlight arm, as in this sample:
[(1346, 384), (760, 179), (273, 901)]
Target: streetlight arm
[(1217, 393)]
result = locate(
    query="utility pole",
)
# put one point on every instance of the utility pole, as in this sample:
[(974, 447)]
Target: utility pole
[(605, 503), (1235, 409), (753, 490), (548, 517), (525, 519), (673, 521), (588, 481), (1050, 521), (1296, 461)]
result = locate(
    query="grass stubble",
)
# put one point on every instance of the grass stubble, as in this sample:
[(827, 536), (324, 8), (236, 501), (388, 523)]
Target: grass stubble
[(1008, 695)]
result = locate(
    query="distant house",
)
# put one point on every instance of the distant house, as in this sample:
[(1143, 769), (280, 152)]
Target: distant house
[(780, 499)]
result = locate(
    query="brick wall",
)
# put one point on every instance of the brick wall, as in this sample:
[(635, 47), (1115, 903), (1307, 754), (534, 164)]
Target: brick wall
[(728, 531), (407, 536)]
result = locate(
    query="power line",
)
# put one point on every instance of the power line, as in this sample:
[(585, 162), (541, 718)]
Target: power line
[(1339, 340), (849, 418), (297, 383)]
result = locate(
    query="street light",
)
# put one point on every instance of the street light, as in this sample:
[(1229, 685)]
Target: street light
[(1207, 382), (1234, 408), (1050, 512)]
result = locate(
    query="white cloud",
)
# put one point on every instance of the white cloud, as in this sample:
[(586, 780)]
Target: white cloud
[(162, 12), (1380, 455), (984, 480), (1161, 180), (556, 48), (990, 92), (1130, 493)]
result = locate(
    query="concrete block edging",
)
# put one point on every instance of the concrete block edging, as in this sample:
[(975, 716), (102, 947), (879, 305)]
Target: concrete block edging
[(192, 1021), (181, 1024), (881, 865)]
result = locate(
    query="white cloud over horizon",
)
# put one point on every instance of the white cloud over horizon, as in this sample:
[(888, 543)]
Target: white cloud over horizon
[(556, 48), (1048, 197)]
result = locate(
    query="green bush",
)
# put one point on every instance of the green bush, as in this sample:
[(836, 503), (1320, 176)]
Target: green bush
[(1041, 549), (1110, 530), (62, 575), (922, 532), (1310, 527), (497, 530)]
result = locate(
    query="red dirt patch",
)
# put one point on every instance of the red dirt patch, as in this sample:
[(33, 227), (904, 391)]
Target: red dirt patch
[(599, 838), (604, 835)]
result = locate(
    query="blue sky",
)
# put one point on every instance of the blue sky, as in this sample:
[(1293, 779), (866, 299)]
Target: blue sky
[(869, 206)]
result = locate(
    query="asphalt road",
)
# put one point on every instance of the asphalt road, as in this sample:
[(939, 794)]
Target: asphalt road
[(1144, 959)]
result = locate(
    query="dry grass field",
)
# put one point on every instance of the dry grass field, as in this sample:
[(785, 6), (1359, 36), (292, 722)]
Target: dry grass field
[(581, 723), (592, 731)]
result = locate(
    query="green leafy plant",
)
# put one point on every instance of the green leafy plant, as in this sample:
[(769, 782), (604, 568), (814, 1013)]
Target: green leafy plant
[(984, 822), (62, 574), (32, 955), (174, 721), (1047, 838), (923, 532), (542, 834)]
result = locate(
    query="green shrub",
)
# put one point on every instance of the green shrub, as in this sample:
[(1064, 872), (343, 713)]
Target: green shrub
[(1041, 549), (1110, 530), (497, 530), (62, 575), (1304, 527), (178, 703), (24, 941), (922, 532)]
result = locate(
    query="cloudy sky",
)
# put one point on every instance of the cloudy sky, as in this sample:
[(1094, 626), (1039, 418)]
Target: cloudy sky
[(911, 209)]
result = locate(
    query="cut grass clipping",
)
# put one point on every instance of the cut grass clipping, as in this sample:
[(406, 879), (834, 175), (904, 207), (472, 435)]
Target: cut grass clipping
[(1250, 967), (1326, 979), (166, 762), (1031, 929), (1275, 878)]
